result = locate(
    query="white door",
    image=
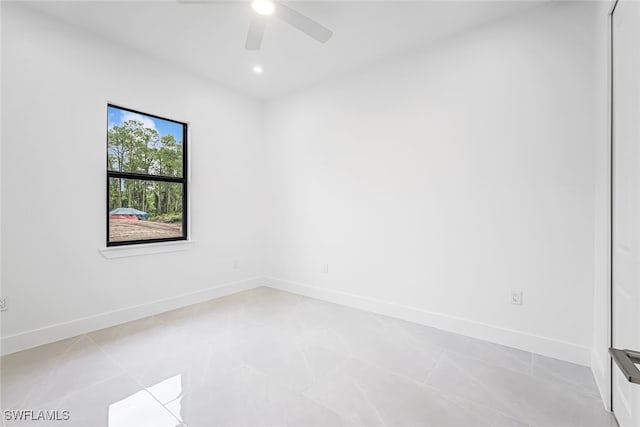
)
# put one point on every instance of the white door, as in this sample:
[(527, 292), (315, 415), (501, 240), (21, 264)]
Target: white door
[(626, 204)]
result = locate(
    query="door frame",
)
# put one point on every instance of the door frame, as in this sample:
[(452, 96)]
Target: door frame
[(624, 359), (611, 202)]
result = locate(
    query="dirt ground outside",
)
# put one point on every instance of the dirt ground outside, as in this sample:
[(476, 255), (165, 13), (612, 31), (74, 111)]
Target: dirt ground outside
[(125, 229)]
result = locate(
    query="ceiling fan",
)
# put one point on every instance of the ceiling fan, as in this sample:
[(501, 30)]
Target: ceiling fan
[(265, 8)]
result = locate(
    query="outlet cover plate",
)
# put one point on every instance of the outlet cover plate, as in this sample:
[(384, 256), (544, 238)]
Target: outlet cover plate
[(516, 297)]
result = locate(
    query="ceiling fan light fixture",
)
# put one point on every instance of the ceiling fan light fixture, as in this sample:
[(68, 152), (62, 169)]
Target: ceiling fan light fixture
[(263, 7)]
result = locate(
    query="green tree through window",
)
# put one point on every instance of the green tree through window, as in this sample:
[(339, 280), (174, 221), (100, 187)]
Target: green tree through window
[(146, 173)]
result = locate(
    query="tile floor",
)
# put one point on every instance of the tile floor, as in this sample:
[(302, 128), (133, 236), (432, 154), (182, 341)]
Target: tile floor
[(270, 358)]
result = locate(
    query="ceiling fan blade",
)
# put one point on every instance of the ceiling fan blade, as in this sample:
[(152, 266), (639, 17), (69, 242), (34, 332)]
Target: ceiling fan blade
[(256, 32), (303, 23)]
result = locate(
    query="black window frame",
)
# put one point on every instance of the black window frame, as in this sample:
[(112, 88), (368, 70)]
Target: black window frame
[(149, 177)]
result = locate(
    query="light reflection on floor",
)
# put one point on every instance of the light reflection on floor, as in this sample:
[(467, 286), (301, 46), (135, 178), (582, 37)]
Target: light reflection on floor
[(138, 409)]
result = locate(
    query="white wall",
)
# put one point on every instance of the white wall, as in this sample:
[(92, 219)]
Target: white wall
[(56, 83), (434, 185)]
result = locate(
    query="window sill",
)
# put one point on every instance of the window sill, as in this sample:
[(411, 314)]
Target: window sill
[(112, 252)]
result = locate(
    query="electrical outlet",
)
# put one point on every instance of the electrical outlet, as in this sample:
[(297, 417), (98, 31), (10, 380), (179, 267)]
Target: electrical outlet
[(325, 268), (516, 297), (3, 304)]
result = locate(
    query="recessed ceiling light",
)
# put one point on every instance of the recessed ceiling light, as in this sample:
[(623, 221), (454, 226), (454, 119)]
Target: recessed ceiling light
[(263, 7), (257, 69)]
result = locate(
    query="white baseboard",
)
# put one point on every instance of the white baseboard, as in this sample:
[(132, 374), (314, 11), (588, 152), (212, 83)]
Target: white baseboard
[(602, 375), (33, 338), (549, 347), (528, 342)]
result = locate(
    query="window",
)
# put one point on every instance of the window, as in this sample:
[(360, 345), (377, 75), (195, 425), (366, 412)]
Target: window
[(146, 178)]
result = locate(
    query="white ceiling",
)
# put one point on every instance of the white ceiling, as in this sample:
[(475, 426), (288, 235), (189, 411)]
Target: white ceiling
[(208, 39)]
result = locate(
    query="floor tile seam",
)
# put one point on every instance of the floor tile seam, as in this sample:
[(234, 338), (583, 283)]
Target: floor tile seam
[(123, 370), (226, 351), (433, 368), (383, 325), (299, 323), (506, 350), (185, 330), (298, 393), (159, 319), (174, 324), (273, 328), (346, 349), (277, 379), (153, 396), (371, 404), (486, 389), (241, 364), (489, 363), (50, 372), (202, 386), (235, 355), (566, 381), (71, 344), (58, 359), (62, 397), (314, 375), (417, 342), (387, 370), (127, 373), (330, 372), (369, 364), (421, 346), (448, 396), (569, 387), (301, 394), (301, 343), (337, 367)]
